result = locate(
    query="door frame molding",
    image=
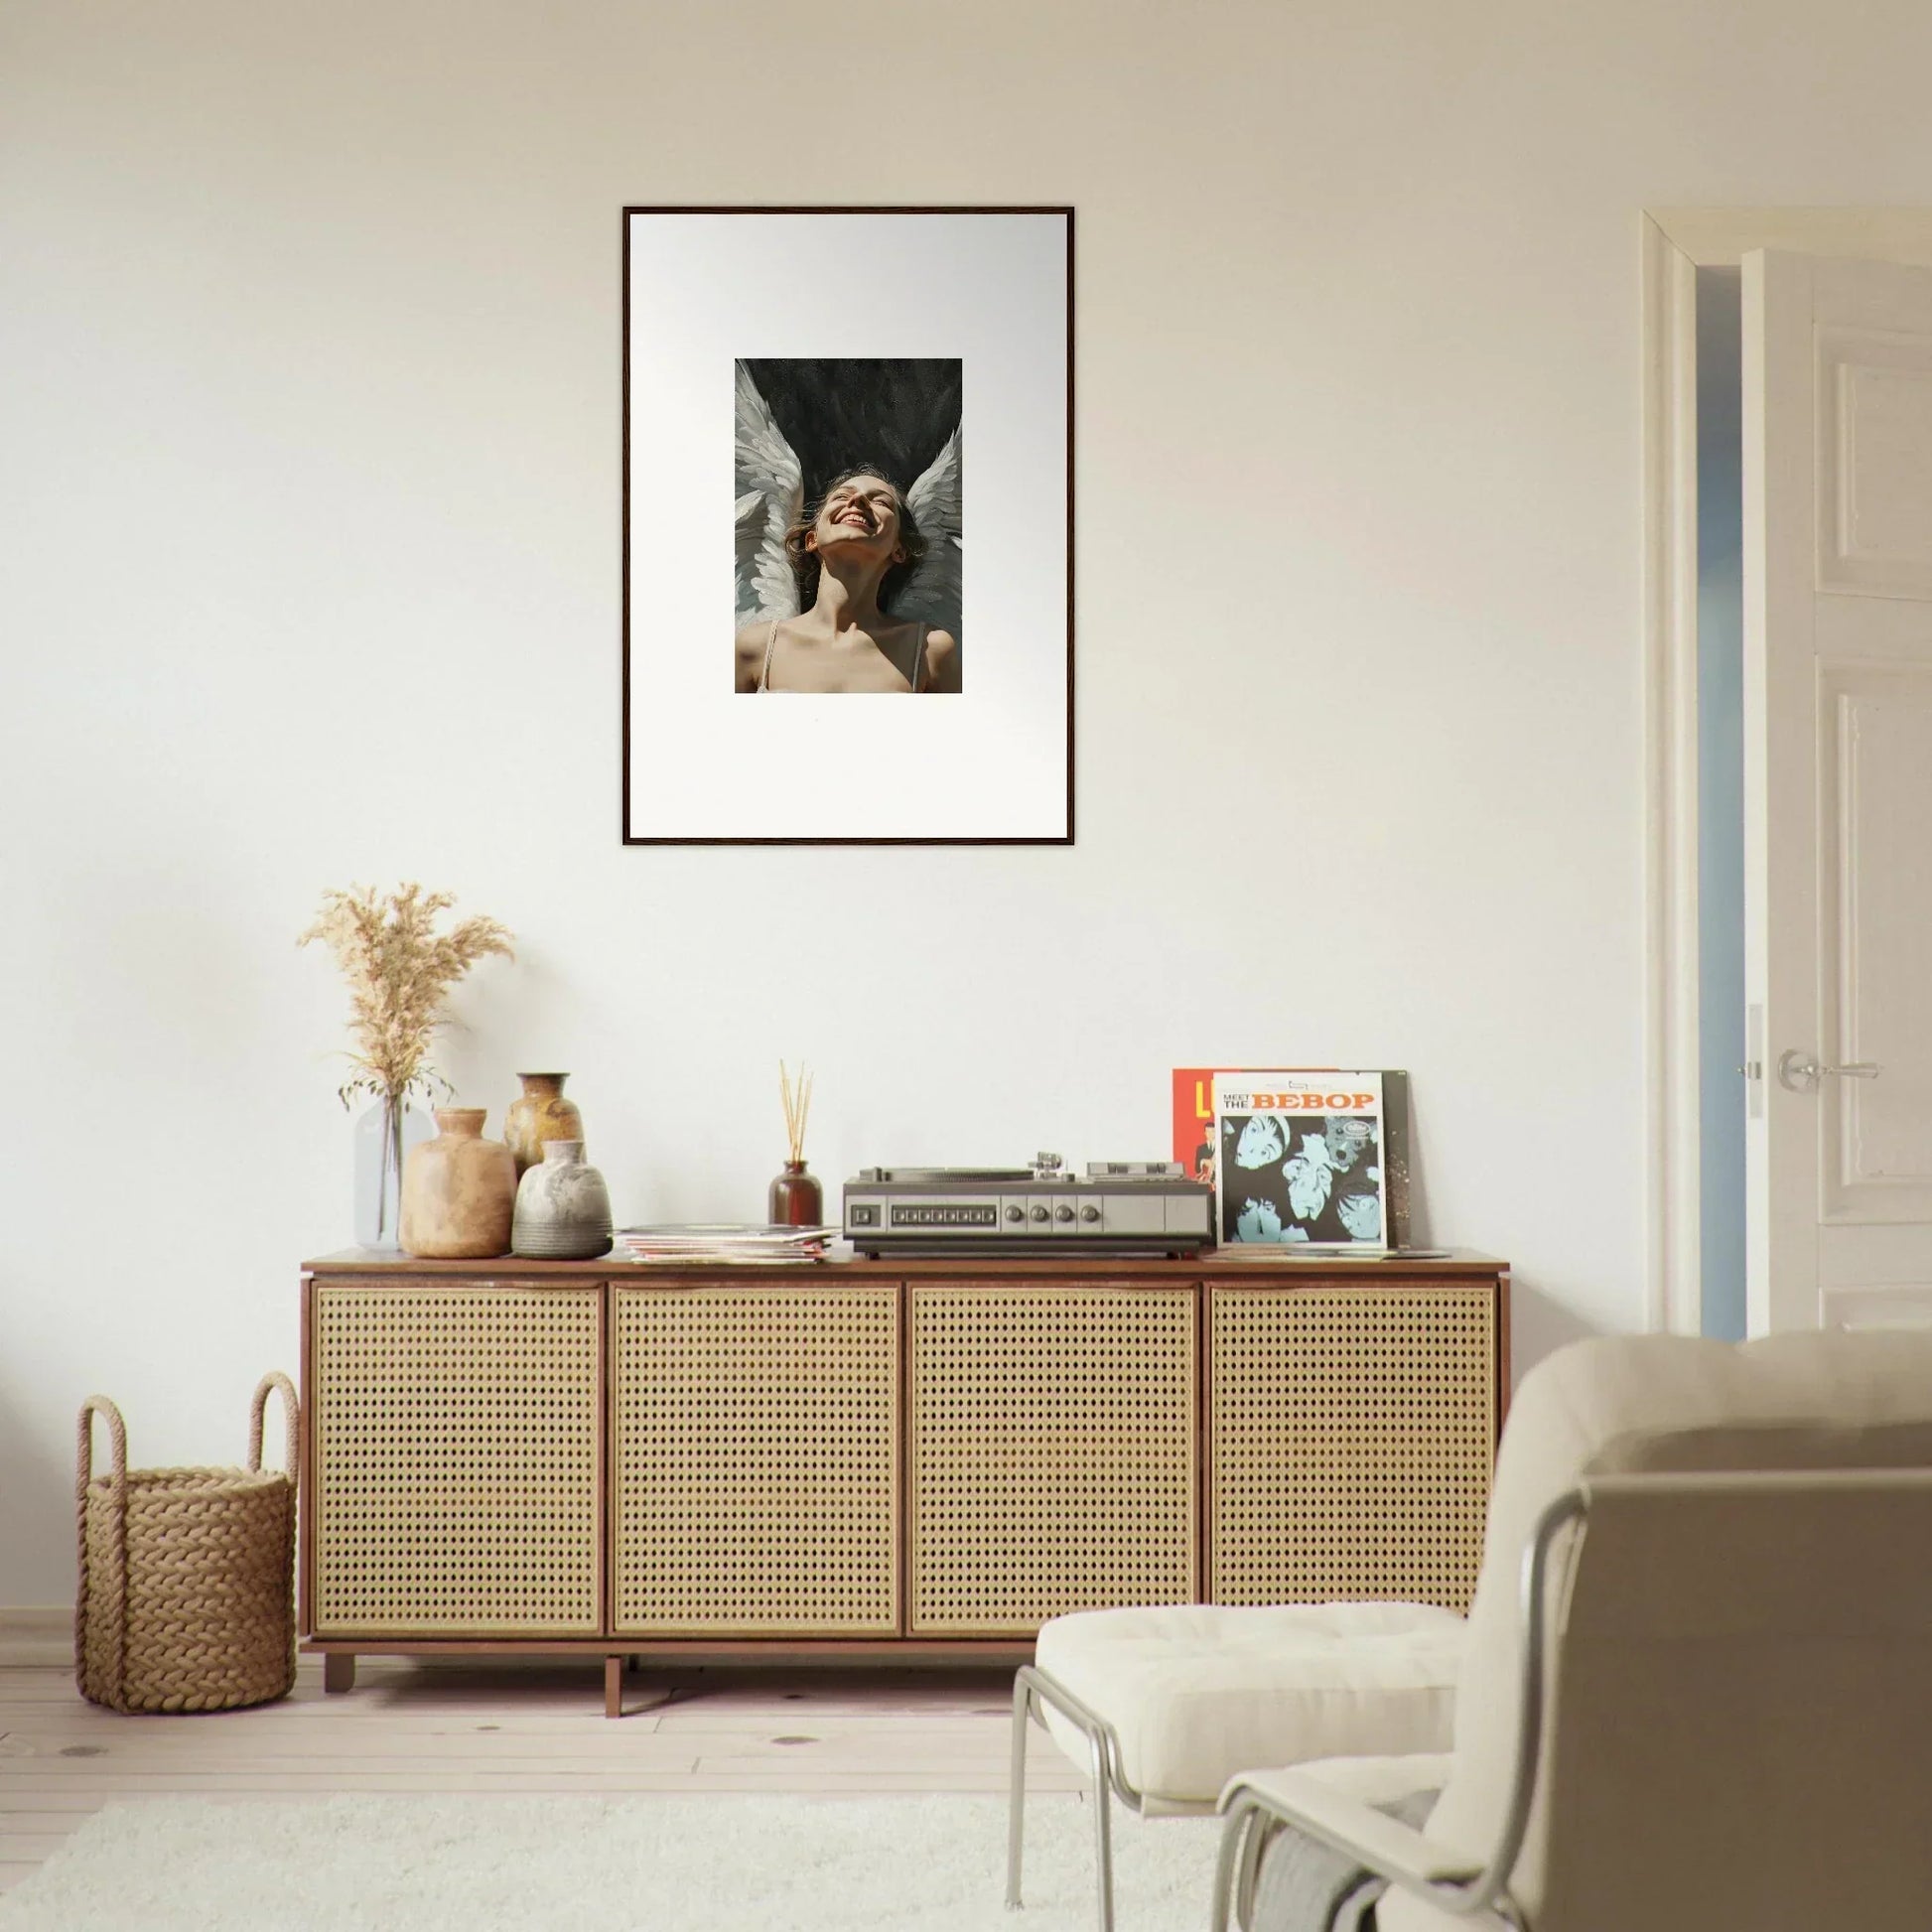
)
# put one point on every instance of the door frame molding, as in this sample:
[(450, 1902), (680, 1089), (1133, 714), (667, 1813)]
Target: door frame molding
[(1675, 244)]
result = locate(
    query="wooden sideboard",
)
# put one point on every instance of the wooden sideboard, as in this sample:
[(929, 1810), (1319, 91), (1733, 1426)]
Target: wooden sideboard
[(878, 1459)]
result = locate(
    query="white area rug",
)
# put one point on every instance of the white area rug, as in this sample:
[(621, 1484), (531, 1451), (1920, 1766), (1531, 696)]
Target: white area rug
[(595, 1864)]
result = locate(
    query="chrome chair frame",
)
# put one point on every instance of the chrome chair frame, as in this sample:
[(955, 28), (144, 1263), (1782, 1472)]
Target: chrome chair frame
[(1481, 1894), (1032, 1689)]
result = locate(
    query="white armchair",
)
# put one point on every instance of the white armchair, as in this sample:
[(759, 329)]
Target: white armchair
[(1697, 1693)]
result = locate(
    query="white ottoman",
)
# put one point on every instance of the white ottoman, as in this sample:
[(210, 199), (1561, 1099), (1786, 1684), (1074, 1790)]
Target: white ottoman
[(1163, 1706)]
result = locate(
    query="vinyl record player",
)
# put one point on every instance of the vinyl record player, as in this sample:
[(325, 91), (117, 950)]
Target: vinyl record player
[(1141, 1207)]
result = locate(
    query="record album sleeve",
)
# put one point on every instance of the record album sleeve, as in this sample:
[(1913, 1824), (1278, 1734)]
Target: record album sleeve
[(1310, 1157)]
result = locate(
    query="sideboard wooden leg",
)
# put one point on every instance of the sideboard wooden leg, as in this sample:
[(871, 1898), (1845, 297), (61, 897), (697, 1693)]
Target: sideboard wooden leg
[(614, 1687), (338, 1670)]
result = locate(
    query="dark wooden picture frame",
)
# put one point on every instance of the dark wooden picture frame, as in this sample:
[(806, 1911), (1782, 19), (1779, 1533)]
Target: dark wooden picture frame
[(647, 690)]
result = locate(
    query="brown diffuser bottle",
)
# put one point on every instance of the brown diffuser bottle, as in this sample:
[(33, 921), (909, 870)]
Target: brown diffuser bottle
[(796, 1199)]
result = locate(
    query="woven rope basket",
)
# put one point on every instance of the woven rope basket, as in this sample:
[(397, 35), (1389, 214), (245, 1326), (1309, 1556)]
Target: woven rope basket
[(186, 1600)]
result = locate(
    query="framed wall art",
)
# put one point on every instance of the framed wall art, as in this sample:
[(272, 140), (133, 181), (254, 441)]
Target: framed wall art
[(848, 476)]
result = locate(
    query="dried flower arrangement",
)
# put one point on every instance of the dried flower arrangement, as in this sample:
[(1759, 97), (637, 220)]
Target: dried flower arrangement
[(399, 970)]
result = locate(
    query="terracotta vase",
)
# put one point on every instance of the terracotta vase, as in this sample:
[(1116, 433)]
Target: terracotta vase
[(458, 1191), (796, 1199), (542, 1114), (563, 1208)]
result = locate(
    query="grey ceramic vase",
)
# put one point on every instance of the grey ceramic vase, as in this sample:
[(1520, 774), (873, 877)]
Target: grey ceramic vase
[(563, 1208)]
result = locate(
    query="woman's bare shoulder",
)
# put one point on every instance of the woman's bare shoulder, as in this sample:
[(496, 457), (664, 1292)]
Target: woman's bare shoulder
[(748, 658), (942, 660)]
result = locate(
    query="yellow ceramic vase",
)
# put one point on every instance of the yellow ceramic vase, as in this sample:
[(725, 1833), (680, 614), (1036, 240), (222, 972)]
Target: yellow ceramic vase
[(458, 1191), (542, 1114)]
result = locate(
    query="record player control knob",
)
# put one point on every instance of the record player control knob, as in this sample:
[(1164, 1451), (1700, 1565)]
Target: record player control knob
[(1063, 1212), (1015, 1213), (1040, 1213), (1090, 1213)]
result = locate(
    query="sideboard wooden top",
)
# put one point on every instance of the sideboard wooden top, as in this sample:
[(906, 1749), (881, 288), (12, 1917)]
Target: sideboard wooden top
[(1221, 1263)]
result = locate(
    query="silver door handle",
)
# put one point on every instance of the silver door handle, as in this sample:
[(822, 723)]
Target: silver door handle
[(1801, 1071)]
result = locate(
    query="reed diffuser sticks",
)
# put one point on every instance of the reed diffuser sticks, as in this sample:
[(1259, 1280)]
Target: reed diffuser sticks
[(797, 1199), (797, 1098)]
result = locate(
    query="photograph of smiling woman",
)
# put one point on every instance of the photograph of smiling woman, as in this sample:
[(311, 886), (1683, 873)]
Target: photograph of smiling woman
[(858, 589), (860, 543)]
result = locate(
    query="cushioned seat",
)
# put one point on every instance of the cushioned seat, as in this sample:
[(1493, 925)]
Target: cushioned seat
[(1732, 1717), (1197, 1692)]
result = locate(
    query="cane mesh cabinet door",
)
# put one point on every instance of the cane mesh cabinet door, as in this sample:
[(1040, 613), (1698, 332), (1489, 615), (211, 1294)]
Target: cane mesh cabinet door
[(755, 1432), (1351, 1432), (1053, 1441), (456, 1454)]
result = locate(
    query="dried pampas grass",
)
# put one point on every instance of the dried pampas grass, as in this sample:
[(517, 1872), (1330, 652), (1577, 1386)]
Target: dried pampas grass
[(399, 970)]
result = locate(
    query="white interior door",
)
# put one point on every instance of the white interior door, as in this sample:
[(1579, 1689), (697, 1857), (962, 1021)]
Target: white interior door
[(1838, 789)]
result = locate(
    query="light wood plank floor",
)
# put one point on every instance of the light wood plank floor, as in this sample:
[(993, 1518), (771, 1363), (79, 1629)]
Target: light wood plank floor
[(510, 1728)]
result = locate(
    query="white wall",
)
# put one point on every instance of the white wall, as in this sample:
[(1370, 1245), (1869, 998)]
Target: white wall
[(309, 441)]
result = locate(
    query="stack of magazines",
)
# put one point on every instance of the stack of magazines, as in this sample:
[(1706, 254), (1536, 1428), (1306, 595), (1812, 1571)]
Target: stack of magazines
[(718, 1241)]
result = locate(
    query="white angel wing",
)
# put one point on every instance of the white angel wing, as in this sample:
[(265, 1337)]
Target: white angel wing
[(932, 592), (770, 490)]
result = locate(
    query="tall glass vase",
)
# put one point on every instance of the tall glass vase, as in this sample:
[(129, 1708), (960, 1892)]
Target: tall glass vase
[(384, 1133)]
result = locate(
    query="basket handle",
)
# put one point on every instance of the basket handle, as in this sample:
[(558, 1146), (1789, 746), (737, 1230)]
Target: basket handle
[(99, 1405), (102, 1676), (274, 1379)]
